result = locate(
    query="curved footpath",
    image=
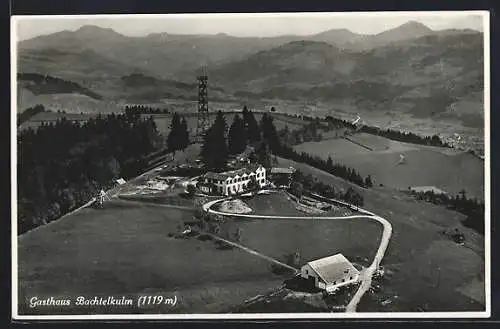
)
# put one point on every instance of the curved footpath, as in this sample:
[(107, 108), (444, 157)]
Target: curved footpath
[(367, 274)]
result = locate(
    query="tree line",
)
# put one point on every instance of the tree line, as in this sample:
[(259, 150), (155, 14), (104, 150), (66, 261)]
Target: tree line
[(407, 137), (306, 183), (61, 165), (335, 169), (221, 141), (471, 207), (336, 123), (145, 109), (310, 131), (306, 133)]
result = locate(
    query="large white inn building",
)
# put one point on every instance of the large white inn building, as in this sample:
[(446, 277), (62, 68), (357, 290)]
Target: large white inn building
[(233, 182)]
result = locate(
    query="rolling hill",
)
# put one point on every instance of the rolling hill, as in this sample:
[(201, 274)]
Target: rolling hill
[(36, 89), (166, 55), (159, 54), (55, 93), (45, 84), (410, 68), (424, 76)]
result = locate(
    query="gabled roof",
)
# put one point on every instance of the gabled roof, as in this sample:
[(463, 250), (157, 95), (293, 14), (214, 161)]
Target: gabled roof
[(232, 174), (333, 268), (216, 176)]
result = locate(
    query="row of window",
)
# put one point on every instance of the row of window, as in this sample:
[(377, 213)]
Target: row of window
[(343, 280), (239, 179), (234, 189), (243, 179), (236, 180), (237, 187)]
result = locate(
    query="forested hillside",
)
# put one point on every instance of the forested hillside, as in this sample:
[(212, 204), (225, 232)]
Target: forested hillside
[(62, 165)]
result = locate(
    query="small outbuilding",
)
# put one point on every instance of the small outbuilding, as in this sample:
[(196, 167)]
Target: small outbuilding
[(330, 273), (424, 189), (281, 176)]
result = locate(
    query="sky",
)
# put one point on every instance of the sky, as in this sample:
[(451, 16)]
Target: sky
[(244, 25)]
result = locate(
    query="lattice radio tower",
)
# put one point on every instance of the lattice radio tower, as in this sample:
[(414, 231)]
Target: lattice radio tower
[(203, 120)]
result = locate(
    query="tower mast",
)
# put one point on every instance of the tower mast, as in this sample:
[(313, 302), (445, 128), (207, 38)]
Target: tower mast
[(203, 121)]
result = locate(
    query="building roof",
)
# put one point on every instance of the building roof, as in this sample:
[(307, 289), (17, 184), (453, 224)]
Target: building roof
[(332, 268), (230, 174), (214, 175), (427, 189), (276, 170)]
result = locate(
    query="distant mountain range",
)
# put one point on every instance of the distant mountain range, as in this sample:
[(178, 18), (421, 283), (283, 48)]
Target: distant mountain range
[(410, 67), (174, 56)]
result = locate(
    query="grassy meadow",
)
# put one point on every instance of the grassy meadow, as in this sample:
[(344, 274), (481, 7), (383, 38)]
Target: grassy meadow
[(446, 169)]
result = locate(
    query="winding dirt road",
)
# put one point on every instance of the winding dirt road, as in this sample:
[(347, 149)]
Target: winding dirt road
[(367, 274)]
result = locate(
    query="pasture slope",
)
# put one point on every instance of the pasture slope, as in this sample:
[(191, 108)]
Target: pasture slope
[(366, 276), (119, 249), (447, 169), (124, 250), (419, 253)]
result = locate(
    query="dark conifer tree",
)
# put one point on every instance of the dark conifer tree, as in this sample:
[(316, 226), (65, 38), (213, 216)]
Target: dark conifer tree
[(251, 126), (263, 156), (329, 163), (184, 134), (237, 137), (174, 137), (269, 133), (368, 181), (214, 149)]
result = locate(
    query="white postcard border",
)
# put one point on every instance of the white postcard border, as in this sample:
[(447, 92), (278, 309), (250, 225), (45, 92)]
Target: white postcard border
[(255, 316)]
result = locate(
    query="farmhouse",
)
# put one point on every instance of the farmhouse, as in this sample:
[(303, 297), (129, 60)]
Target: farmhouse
[(330, 273), (233, 182), (423, 189)]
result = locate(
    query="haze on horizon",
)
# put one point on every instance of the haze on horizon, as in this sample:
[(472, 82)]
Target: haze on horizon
[(248, 24)]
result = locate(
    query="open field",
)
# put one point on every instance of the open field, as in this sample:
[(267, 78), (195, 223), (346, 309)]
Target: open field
[(313, 239), (70, 102), (356, 239), (415, 251), (446, 169), (48, 117), (124, 249)]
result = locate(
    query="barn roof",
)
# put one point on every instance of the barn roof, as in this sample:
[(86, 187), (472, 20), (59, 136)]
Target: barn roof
[(332, 268), (427, 189)]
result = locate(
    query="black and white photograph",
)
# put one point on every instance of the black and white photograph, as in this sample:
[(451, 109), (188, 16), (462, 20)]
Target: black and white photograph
[(320, 165)]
